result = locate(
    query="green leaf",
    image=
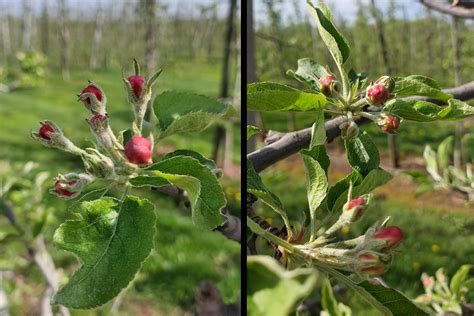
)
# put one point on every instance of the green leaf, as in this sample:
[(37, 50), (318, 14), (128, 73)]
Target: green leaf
[(445, 152), (372, 180), (268, 96), (335, 42), (309, 72), (273, 291), (319, 154), (328, 300), (458, 279), (358, 79), (189, 153), (341, 186), (423, 111), (205, 192), (126, 135), (419, 86), (252, 130), (111, 239), (89, 196), (182, 112), (431, 163), (393, 300), (316, 186), (318, 131), (362, 153)]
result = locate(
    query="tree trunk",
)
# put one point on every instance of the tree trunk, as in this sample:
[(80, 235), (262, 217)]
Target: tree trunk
[(63, 39), (5, 25), (392, 141), (27, 26), (150, 29), (97, 38), (45, 28), (456, 44), (224, 91), (251, 68)]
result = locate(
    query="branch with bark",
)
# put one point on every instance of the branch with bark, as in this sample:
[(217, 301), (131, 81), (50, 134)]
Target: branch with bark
[(458, 11), (290, 143)]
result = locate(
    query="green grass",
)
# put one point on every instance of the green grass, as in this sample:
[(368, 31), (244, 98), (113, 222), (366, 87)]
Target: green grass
[(184, 255)]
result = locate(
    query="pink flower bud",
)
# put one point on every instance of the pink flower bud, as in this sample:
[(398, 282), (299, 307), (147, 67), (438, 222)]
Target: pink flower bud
[(61, 188), (387, 82), (377, 94), (427, 280), (392, 235), (354, 209), (91, 88), (326, 83), (388, 123), (138, 150), (371, 264), (137, 83), (45, 131)]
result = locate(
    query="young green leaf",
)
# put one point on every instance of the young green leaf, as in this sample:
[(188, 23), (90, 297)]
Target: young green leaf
[(328, 301), (419, 86), (267, 96), (309, 72), (182, 112), (316, 186), (112, 239), (189, 153), (424, 111), (205, 193), (318, 131), (252, 130), (445, 152), (335, 42), (458, 279), (273, 291), (362, 153)]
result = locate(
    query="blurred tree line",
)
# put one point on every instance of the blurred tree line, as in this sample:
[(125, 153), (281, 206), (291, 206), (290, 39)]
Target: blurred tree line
[(105, 33)]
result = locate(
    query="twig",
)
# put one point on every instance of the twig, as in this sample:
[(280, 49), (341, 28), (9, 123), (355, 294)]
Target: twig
[(457, 11), (291, 143)]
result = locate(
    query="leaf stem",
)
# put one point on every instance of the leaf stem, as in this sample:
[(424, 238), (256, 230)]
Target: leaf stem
[(254, 227)]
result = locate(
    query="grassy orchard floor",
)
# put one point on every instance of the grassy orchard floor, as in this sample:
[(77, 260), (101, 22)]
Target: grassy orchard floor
[(438, 227), (184, 255)]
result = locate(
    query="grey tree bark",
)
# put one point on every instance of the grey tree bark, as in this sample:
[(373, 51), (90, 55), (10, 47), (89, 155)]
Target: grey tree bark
[(45, 28), (26, 26), (63, 39), (97, 37), (456, 23), (6, 40), (251, 68)]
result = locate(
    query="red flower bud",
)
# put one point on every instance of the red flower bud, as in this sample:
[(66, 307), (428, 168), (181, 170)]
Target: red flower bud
[(46, 130), (388, 123), (392, 235), (326, 84), (377, 94), (90, 89), (356, 202), (138, 150), (371, 265), (137, 83), (61, 188), (349, 130)]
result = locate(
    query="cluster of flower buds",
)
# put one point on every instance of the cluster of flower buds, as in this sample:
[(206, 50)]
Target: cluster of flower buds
[(388, 123), (327, 84), (111, 159), (379, 92)]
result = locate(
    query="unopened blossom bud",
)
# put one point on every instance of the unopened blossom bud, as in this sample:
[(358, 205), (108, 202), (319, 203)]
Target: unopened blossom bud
[(391, 235), (70, 185), (93, 98), (387, 81), (98, 122), (138, 150), (349, 130), (98, 164), (326, 84), (388, 123), (139, 94), (379, 92), (371, 264), (354, 209), (50, 135), (428, 281)]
